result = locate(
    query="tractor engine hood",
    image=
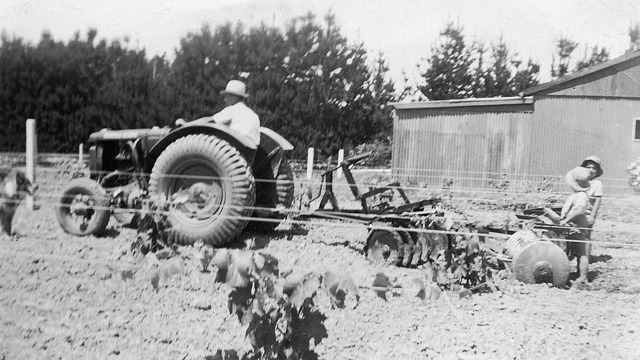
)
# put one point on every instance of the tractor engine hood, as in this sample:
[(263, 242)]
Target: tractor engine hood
[(130, 134)]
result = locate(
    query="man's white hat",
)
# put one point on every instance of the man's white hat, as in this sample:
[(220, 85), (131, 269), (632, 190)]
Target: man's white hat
[(236, 87)]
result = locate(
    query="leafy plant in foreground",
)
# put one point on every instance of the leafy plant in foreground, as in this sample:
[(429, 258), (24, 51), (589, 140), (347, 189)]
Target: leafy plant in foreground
[(154, 229), (278, 309)]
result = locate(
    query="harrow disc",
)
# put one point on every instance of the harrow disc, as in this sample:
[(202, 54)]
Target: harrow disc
[(407, 254), (536, 261), (384, 247)]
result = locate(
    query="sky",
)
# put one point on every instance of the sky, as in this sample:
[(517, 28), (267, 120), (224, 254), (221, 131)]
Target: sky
[(403, 30)]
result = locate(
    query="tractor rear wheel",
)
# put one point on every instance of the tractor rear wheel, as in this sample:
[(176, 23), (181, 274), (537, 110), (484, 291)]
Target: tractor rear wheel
[(211, 186)]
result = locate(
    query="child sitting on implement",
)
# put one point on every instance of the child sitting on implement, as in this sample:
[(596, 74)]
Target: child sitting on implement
[(574, 213)]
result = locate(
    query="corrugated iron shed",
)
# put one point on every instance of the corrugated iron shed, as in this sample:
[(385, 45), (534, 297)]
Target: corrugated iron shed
[(525, 141)]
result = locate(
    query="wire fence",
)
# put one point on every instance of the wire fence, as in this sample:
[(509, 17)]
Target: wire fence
[(54, 171)]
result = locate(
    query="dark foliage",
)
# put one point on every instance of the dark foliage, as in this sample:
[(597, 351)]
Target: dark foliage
[(457, 69), (306, 83), (565, 63), (72, 90)]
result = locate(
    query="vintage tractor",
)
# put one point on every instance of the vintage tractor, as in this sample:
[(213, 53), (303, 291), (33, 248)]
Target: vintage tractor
[(221, 182)]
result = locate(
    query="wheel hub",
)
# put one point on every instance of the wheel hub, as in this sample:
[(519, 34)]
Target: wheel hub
[(202, 200), (81, 207)]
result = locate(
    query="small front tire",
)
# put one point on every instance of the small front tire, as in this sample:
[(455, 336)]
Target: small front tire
[(83, 208)]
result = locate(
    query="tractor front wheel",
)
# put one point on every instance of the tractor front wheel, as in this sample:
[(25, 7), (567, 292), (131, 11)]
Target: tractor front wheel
[(83, 208)]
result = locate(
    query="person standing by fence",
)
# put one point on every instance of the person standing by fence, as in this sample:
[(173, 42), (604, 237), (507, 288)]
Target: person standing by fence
[(594, 165), (582, 208), (574, 213)]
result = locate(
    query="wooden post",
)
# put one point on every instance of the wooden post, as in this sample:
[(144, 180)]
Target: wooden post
[(340, 158), (309, 164), (81, 155), (31, 159)]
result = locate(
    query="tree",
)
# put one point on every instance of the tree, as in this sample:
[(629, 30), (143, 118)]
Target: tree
[(383, 94), (449, 73), (308, 83), (504, 77), (73, 89), (457, 71), (338, 96), (597, 56), (634, 38), (203, 64), (565, 47), (526, 77)]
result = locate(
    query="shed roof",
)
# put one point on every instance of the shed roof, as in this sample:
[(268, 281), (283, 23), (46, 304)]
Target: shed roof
[(593, 74), (460, 103)]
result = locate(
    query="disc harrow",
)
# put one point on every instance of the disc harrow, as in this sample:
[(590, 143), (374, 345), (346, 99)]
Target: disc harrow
[(420, 233)]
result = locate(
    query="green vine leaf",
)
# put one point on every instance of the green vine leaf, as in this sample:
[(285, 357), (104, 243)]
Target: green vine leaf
[(464, 293), (291, 282), (240, 302), (433, 292), (240, 270), (474, 244), (442, 277), (266, 264), (155, 280), (205, 256), (221, 260), (305, 290), (382, 281), (421, 292), (339, 285), (226, 355)]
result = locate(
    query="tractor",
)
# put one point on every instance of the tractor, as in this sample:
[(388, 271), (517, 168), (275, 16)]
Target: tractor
[(224, 185)]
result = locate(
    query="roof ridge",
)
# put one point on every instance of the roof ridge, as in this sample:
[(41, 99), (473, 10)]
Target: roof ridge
[(582, 73)]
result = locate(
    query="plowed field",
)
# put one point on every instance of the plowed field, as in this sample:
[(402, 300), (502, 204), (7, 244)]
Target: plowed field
[(66, 297)]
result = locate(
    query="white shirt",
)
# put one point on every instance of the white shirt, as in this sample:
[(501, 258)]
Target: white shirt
[(595, 188), (578, 199), (595, 191), (242, 119)]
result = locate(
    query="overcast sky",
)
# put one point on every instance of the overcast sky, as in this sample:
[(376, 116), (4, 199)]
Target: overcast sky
[(404, 30)]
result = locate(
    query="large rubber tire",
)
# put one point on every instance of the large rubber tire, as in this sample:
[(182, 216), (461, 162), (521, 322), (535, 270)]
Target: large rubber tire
[(83, 208), (219, 185), (272, 194)]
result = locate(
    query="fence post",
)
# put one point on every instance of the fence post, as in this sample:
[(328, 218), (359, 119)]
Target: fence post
[(81, 155), (31, 158), (340, 158), (309, 163)]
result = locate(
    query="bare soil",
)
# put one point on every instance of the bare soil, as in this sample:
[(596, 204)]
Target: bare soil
[(66, 297)]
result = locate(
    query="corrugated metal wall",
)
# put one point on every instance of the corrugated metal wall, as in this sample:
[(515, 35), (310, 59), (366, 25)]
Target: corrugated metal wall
[(566, 130), (515, 148), (432, 146)]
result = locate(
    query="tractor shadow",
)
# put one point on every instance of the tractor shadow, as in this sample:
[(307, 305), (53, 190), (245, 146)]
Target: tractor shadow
[(256, 240), (110, 232), (599, 258)]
